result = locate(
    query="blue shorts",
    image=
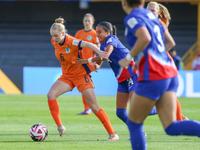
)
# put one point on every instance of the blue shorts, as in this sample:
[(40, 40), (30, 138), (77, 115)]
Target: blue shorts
[(155, 89), (128, 85)]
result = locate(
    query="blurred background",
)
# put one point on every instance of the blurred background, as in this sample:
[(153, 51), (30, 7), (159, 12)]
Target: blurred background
[(26, 50)]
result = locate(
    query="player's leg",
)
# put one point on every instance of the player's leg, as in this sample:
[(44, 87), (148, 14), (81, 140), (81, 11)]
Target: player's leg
[(58, 88), (166, 107), (124, 93), (179, 115), (86, 87), (178, 111), (139, 109), (122, 103), (90, 98), (87, 110)]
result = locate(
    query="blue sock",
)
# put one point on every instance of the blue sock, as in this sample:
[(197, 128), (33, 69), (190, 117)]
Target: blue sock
[(122, 114), (153, 111), (191, 127), (138, 140)]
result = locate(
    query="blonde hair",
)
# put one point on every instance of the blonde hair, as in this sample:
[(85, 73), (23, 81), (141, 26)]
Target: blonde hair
[(164, 13), (59, 25)]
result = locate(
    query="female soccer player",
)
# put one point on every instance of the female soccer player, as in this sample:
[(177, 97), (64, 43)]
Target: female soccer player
[(164, 18), (107, 34), (87, 34), (157, 81), (67, 52)]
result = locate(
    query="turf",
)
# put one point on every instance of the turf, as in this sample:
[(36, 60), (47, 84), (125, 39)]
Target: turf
[(19, 112)]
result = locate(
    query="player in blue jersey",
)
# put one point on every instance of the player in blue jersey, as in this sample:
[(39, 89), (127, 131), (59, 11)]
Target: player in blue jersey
[(107, 34), (157, 82)]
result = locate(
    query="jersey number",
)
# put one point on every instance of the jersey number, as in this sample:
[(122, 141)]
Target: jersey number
[(161, 46), (61, 57)]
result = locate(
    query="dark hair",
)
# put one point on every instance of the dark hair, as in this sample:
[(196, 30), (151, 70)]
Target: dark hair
[(172, 49), (107, 26), (132, 3)]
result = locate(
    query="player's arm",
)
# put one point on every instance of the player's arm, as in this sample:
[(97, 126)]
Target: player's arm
[(143, 39), (94, 48), (98, 60), (169, 41)]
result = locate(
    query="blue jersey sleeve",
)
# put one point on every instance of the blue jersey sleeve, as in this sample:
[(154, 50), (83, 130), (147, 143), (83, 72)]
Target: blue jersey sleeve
[(133, 24), (111, 41)]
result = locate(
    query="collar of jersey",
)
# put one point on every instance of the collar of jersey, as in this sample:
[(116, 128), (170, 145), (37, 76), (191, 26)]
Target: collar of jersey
[(88, 30)]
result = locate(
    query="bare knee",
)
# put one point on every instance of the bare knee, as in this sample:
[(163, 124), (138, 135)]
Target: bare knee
[(51, 95)]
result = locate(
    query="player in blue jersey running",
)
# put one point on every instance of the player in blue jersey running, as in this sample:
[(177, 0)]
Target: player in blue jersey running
[(107, 34), (157, 82)]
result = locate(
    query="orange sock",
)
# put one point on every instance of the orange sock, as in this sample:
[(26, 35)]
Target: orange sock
[(85, 104), (54, 108), (105, 121), (178, 112)]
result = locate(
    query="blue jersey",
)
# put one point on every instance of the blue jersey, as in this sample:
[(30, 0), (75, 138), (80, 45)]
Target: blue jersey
[(119, 52), (154, 62)]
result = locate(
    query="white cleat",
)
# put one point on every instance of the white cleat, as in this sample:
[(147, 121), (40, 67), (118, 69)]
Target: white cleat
[(185, 118), (61, 130), (113, 137)]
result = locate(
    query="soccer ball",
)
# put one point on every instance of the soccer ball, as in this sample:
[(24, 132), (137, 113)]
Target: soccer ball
[(38, 132)]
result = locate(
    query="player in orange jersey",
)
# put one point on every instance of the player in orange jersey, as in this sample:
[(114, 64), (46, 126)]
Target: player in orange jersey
[(161, 11), (87, 34), (67, 50)]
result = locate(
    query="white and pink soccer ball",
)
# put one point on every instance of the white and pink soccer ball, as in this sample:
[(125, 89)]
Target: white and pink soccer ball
[(38, 132)]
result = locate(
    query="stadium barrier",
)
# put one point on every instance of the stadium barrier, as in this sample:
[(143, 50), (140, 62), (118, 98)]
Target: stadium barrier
[(38, 80)]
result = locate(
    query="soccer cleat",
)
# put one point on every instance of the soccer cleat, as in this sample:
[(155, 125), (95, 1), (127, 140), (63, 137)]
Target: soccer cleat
[(61, 130), (113, 137), (185, 118), (85, 112)]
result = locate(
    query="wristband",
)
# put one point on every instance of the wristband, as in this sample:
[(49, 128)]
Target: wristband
[(129, 57), (89, 60)]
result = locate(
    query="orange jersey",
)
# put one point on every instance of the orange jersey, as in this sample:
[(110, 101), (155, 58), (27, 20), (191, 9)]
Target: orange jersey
[(89, 36), (163, 24), (67, 54)]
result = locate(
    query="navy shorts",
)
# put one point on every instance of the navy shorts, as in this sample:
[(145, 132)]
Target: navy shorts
[(155, 89), (128, 85)]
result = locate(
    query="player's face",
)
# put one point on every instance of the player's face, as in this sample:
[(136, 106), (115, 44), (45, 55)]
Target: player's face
[(102, 34), (154, 9), (88, 22), (57, 36)]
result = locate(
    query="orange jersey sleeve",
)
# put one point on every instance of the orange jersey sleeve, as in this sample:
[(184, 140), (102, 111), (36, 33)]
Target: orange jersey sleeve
[(89, 36), (67, 54)]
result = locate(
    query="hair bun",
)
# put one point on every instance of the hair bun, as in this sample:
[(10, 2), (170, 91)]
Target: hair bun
[(60, 20)]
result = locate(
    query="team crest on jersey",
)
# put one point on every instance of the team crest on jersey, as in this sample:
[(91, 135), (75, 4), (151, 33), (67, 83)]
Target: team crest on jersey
[(67, 50), (132, 22), (89, 37), (75, 42), (151, 15), (109, 40)]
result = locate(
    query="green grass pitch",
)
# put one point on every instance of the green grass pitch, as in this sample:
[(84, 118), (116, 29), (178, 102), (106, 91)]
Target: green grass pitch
[(19, 112)]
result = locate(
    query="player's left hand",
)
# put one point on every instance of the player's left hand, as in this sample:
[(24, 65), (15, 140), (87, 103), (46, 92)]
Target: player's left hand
[(123, 63), (81, 61)]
